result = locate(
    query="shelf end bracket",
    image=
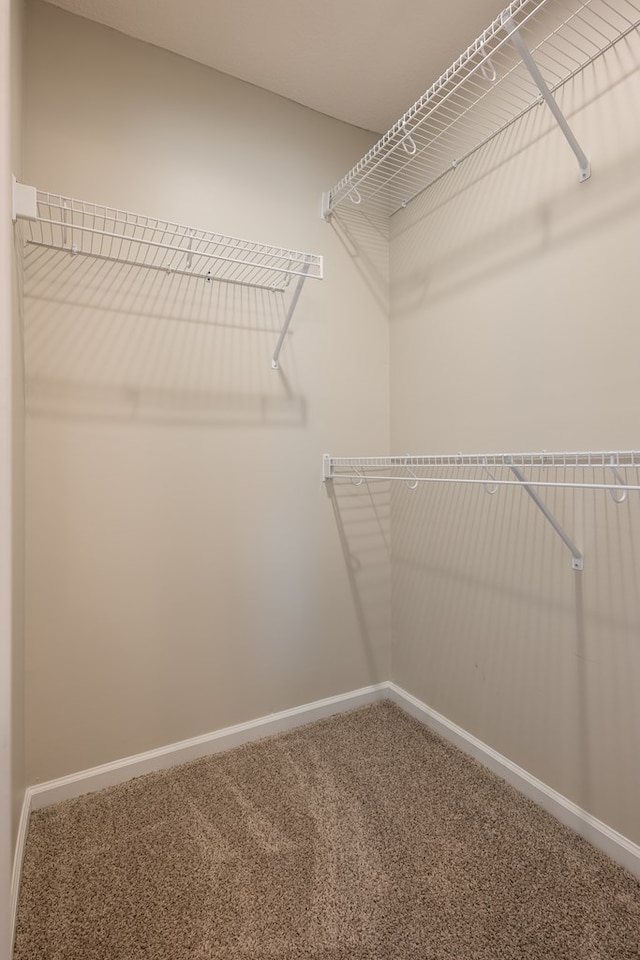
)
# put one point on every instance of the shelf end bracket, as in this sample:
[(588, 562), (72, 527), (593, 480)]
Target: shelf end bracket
[(326, 209), (25, 202)]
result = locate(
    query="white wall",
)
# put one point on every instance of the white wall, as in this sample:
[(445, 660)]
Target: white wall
[(184, 570), (514, 327), (5, 488), (12, 775), (17, 450)]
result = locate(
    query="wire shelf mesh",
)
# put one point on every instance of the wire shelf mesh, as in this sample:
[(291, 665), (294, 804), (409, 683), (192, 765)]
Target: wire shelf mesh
[(107, 233), (485, 90), (616, 471)]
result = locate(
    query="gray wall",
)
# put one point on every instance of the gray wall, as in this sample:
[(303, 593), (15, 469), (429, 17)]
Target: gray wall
[(184, 571), (18, 428), (514, 327)]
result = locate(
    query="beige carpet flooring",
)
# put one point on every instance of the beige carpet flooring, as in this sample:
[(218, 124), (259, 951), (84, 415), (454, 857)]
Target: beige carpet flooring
[(361, 837)]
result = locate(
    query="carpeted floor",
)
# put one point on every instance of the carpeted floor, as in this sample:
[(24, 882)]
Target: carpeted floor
[(362, 837)]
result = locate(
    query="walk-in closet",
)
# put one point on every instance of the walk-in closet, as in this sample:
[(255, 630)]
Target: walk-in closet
[(320, 480)]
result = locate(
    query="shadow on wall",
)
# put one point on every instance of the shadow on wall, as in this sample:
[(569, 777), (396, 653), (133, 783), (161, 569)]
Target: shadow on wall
[(365, 237), (362, 520), (502, 636), (514, 236), (112, 341)]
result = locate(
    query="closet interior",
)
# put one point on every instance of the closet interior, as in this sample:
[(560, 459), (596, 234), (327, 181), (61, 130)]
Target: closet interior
[(190, 575)]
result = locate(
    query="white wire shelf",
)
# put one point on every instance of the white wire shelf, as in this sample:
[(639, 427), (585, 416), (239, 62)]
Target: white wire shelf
[(106, 233), (615, 471), (446, 468), (529, 51)]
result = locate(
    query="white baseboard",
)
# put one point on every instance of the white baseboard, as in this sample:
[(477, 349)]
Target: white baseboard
[(111, 774), (18, 858), (614, 844)]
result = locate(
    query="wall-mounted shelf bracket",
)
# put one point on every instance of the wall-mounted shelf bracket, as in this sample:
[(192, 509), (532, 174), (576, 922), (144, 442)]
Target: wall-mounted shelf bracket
[(25, 202), (577, 561), (527, 59)]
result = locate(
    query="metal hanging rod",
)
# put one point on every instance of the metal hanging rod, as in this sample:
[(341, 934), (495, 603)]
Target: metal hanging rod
[(105, 233), (444, 469), (525, 55)]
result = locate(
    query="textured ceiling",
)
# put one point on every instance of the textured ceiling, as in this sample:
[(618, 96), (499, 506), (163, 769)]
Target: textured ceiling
[(362, 61)]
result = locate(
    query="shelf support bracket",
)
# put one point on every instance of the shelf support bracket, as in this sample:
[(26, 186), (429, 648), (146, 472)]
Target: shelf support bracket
[(25, 201), (532, 67), (275, 360), (577, 561)]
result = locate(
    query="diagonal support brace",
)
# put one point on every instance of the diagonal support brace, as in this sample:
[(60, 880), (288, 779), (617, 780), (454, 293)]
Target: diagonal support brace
[(578, 559), (275, 361), (534, 70)]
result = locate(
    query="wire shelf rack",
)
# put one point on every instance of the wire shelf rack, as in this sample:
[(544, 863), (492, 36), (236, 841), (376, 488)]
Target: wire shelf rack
[(106, 233), (91, 230), (448, 467), (526, 54), (618, 472)]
